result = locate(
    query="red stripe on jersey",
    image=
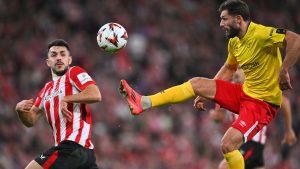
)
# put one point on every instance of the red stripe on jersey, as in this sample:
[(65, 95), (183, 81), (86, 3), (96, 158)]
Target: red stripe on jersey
[(57, 119), (77, 139), (68, 91), (50, 160), (56, 112), (38, 101), (88, 114)]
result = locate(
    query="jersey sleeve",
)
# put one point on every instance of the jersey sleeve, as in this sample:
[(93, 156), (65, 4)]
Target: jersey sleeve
[(231, 60), (272, 36), (80, 78)]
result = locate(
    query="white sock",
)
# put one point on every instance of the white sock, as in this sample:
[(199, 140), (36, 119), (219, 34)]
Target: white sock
[(145, 102)]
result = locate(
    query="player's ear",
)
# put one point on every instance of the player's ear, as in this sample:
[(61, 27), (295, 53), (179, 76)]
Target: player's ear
[(239, 18), (48, 63), (70, 60)]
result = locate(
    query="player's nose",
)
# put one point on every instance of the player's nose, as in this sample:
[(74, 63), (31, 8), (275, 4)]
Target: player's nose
[(222, 24), (59, 57)]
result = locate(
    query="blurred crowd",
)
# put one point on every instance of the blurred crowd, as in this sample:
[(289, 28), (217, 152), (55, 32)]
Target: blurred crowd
[(170, 41)]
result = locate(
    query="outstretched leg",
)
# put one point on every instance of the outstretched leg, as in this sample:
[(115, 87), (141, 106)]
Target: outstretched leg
[(196, 86)]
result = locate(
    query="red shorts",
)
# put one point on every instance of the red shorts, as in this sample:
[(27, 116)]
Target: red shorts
[(253, 114)]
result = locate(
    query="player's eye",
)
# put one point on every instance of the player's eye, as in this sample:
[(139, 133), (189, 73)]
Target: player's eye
[(53, 54)]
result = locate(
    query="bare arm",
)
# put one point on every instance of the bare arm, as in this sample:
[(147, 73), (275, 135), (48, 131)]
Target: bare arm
[(226, 72), (90, 94), (28, 113), (289, 135), (292, 41)]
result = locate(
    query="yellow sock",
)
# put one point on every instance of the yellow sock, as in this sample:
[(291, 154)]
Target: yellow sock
[(174, 94), (235, 160)]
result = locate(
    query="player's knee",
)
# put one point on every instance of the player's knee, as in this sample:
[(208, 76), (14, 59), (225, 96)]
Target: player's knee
[(197, 80), (232, 140), (202, 85), (227, 146)]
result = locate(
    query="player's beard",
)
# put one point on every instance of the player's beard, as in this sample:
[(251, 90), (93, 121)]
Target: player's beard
[(232, 32), (60, 73)]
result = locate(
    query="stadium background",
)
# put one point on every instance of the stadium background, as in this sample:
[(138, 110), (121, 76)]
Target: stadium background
[(170, 41)]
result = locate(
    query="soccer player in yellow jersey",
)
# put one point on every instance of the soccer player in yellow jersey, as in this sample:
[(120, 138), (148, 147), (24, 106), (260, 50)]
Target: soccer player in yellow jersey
[(253, 47)]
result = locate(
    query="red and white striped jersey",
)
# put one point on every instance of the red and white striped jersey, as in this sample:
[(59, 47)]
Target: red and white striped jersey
[(79, 129), (260, 137)]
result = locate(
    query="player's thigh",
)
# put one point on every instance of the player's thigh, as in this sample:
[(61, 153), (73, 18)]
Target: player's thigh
[(204, 87), (33, 165)]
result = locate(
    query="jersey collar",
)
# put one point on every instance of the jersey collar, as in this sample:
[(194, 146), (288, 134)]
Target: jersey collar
[(250, 30), (55, 77)]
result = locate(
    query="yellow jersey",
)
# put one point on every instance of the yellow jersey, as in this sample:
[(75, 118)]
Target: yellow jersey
[(258, 54)]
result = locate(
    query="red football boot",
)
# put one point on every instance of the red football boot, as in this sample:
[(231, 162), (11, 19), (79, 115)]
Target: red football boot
[(132, 97)]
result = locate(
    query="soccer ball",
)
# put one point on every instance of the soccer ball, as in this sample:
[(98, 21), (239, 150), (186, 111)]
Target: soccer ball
[(112, 37)]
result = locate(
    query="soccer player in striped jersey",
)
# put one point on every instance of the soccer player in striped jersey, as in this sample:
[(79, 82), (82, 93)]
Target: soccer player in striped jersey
[(256, 49), (64, 101), (252, 150)]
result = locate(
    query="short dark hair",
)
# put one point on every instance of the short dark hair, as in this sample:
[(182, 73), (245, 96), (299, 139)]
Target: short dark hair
[(236, 7), (58, 42)]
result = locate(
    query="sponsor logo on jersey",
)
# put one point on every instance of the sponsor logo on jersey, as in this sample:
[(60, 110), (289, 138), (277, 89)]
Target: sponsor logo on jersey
[(83, 78), (250, 66), (52, 95)]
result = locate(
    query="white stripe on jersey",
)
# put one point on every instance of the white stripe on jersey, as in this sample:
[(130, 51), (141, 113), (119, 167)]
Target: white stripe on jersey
[(85, 133), (62, 121)]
